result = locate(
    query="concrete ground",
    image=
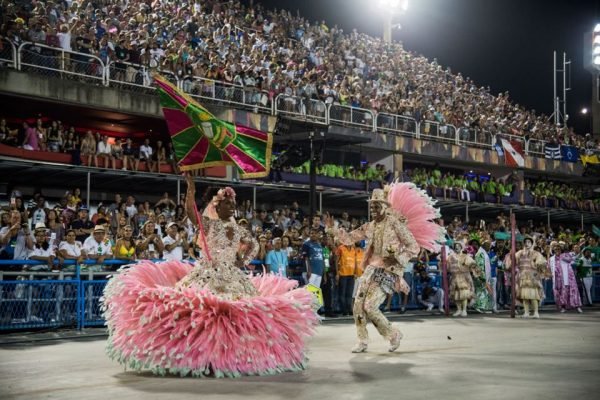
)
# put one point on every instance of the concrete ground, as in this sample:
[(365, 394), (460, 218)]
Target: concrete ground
[(483, 357)]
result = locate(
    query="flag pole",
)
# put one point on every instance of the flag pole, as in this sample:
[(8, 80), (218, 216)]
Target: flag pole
[(513, 264), (445, 281)]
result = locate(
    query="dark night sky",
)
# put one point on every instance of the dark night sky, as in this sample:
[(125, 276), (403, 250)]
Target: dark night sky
[(506, 44)]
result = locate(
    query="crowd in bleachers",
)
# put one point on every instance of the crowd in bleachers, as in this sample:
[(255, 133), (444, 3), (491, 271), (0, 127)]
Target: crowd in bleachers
[(278, 52)]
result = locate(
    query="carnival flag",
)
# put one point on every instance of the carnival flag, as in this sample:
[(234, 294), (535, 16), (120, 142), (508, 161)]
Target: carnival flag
[(552, 151), (201, 140), (513, 153), (569, 153), (589, 159)]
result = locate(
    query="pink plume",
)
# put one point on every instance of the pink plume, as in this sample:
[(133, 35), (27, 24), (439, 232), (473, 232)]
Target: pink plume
[(418, 208), (154, 324)]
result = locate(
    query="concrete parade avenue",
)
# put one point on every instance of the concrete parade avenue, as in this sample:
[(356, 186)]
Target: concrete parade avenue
[(479, 357)]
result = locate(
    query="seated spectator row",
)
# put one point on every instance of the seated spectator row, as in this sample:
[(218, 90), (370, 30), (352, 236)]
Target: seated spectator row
[(129, 229)]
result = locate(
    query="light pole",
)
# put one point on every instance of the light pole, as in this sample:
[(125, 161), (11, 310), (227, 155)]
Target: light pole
[(390, 8), (585, 112)]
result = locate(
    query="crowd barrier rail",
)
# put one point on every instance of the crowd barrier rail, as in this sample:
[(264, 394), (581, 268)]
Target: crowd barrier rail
[(8, 53), (31, 299), (58, 63), (246, 97)]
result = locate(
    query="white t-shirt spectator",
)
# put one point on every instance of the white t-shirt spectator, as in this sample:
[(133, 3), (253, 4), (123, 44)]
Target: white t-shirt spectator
[(101, 249), (65, 40), (131, 210), (104, 148), (176, 254), (74, 250), (40, 252), (145, 152), (38, 215)]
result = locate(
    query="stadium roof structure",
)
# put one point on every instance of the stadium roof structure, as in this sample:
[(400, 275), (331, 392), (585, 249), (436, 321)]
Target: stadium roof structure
[(23, 173)]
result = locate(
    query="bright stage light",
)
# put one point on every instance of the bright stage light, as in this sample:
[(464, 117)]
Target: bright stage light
[(390, 4), (584, 110), (597, 61), (597, 28)]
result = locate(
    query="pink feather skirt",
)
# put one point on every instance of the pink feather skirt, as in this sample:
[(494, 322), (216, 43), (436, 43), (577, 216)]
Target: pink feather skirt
[(156, 325)]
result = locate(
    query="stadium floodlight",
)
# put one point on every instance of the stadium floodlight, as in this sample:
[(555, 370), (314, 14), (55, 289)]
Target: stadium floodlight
[(584, 110), (389, 4), (596, 46)]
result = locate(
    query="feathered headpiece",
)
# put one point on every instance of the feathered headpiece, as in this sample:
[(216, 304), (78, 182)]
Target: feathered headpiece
[(211, 209), (417, 208)]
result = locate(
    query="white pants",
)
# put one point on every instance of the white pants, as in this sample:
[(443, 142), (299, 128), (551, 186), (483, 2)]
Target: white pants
[(315, 280), (464, 193), (587, 286)]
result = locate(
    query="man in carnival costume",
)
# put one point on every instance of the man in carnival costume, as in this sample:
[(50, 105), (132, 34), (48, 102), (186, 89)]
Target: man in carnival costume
[(530, 269), (401, 224), (460, 267)]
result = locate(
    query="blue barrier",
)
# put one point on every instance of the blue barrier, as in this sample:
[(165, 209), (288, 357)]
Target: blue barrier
[(72, 298)]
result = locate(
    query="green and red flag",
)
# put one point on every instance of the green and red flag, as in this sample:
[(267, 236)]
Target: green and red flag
[(201, 140)]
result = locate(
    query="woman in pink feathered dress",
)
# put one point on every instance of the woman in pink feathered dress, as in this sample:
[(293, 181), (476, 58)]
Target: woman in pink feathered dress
[(211, 319)]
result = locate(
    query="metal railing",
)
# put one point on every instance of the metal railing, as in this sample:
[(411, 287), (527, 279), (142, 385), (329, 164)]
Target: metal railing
[(300, 107), (8, 53), (56, 62), (124, 74), (396, 124), (227, 93), (352, 116)]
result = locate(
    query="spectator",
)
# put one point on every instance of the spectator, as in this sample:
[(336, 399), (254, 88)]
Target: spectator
[(312, 253), (160, 155), (117, 152), (431, 295), (88, 149), (348, 260), (104, 151), (130, 155), (277, 259), (176, 244), (125, 245), (97, 247), (149, 245), (71, 249), (42, 250), (31, 140), (146, 156), (15, 239), (82, 226)]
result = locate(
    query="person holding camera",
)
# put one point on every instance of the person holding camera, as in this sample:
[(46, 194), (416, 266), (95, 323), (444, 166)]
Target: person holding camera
[(15, 239), (149, 245)]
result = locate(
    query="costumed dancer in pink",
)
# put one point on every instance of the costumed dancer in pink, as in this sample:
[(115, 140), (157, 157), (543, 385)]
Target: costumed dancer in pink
[(210, 319), (566, 293), (402, 224)]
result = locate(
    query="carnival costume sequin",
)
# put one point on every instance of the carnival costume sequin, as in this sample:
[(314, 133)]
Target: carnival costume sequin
[(391, 242), (210, 319)]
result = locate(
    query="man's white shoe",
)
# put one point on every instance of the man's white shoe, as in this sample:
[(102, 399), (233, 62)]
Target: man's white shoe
[(579, 310), (457, 313), (359, 347), (395, 341), (430, 307), (463, 313), (536, 315)]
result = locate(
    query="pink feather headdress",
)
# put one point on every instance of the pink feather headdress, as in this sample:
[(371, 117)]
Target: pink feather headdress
[(413, 204)]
